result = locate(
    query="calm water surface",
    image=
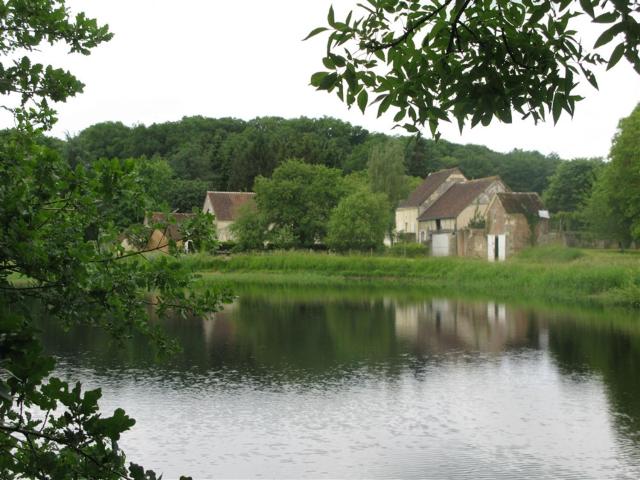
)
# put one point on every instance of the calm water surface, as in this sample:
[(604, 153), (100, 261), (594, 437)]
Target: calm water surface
[(337, 384)]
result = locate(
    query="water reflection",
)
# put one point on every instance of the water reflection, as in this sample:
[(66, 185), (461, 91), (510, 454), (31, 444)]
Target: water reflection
[(291, 383)]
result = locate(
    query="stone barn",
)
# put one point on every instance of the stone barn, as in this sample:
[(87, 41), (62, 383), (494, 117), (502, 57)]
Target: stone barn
[(515, 220), (226, 207), (462, 206)]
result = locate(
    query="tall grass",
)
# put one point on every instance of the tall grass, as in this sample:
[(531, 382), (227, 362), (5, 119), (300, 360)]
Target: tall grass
[(575, 279), (551, 254)]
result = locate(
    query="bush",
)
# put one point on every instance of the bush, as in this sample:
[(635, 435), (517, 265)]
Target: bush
[(358, 222), (250, 229), (411, 250)]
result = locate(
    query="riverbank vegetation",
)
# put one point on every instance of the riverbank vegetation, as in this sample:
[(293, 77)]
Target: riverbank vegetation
[(557, 274)]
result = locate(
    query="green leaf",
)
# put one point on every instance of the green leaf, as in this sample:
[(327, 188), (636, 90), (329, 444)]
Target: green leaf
[(537, 14), (316, 78), (329, 63), (328, 82), (608, 35), (331, 17), (587, 7), (616, 55), (315, 32), (608, 17), (363, 99), (558, 103), (385, 104)]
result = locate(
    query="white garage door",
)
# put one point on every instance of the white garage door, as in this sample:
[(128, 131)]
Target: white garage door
[(440, 245)]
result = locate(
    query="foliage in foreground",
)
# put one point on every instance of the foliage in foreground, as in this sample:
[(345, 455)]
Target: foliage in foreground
[(60, 230), (61, 259), (472, 61)]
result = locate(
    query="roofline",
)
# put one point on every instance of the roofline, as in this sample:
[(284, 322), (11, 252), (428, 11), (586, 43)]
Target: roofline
[(485, 179), (519, 193), (452, 169)]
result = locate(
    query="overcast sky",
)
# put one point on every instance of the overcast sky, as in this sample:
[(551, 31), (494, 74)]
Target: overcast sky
[(246, 59)]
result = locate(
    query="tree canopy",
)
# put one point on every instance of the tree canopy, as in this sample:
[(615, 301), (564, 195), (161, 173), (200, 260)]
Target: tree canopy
[(300, 197), (227, 154), (571, 184), (472, 61), (358, 222)]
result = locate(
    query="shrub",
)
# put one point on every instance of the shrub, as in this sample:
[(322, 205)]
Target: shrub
[(250, 229), (358, 222)]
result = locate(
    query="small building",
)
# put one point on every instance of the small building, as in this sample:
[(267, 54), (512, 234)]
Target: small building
[(463, 205), (515, 220), (161, 238), (226, 207), (436, 184)]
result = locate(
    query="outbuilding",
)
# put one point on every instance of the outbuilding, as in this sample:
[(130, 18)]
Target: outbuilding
[(515, 220)]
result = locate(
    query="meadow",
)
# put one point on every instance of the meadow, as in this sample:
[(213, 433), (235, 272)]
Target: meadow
[(553, 274)]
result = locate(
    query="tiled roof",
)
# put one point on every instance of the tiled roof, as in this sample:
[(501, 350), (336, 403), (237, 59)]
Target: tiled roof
[(456, 199), (527, 203), (226, 205), (427, 187)]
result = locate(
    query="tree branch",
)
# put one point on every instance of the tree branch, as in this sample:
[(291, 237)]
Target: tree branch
[(375, 46)]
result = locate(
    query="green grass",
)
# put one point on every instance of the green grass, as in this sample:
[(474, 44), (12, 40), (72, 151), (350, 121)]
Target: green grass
[(551, 254), (577, 277)]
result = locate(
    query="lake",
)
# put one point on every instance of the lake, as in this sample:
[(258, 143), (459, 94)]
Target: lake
[(325, 384)]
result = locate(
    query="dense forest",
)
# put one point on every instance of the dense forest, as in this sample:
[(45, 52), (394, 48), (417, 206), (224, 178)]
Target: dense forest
[(197, 154)]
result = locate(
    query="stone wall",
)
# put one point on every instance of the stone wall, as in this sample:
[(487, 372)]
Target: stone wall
[(472, 242)]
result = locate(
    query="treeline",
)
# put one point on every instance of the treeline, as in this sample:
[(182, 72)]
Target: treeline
[(228, 154), (598, 199)]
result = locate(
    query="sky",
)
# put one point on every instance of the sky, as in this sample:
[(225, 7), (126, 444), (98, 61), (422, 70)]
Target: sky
[(246, 59)]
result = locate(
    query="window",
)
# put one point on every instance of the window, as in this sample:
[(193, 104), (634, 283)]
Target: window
[(406, 227), (438, 224)]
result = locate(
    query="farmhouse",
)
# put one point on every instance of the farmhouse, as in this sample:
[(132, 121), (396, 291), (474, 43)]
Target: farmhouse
[(515, 220), (161, 238), (226, 207), (423, 197), (463, 205)]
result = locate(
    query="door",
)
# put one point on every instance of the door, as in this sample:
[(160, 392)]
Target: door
[(502, 247), (440, 245), (491, 248), (496, 247)]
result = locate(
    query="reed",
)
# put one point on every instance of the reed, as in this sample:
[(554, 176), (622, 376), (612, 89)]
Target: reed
[(575, 277)]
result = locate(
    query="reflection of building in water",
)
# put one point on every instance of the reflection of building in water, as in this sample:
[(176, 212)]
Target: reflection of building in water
[(443, 325), (218, 327)]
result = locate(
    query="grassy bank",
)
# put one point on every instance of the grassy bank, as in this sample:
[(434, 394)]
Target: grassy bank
[(552, 274)]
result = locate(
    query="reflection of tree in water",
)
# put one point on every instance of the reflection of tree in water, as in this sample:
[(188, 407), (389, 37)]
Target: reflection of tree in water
[(610, 351)]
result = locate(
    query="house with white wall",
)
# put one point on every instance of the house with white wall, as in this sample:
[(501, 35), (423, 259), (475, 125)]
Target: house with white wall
[(226, 207), (434, 186)]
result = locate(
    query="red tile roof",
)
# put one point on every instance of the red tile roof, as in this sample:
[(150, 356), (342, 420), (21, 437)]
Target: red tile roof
[(226, 205), (456, 199), (427, 187)]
